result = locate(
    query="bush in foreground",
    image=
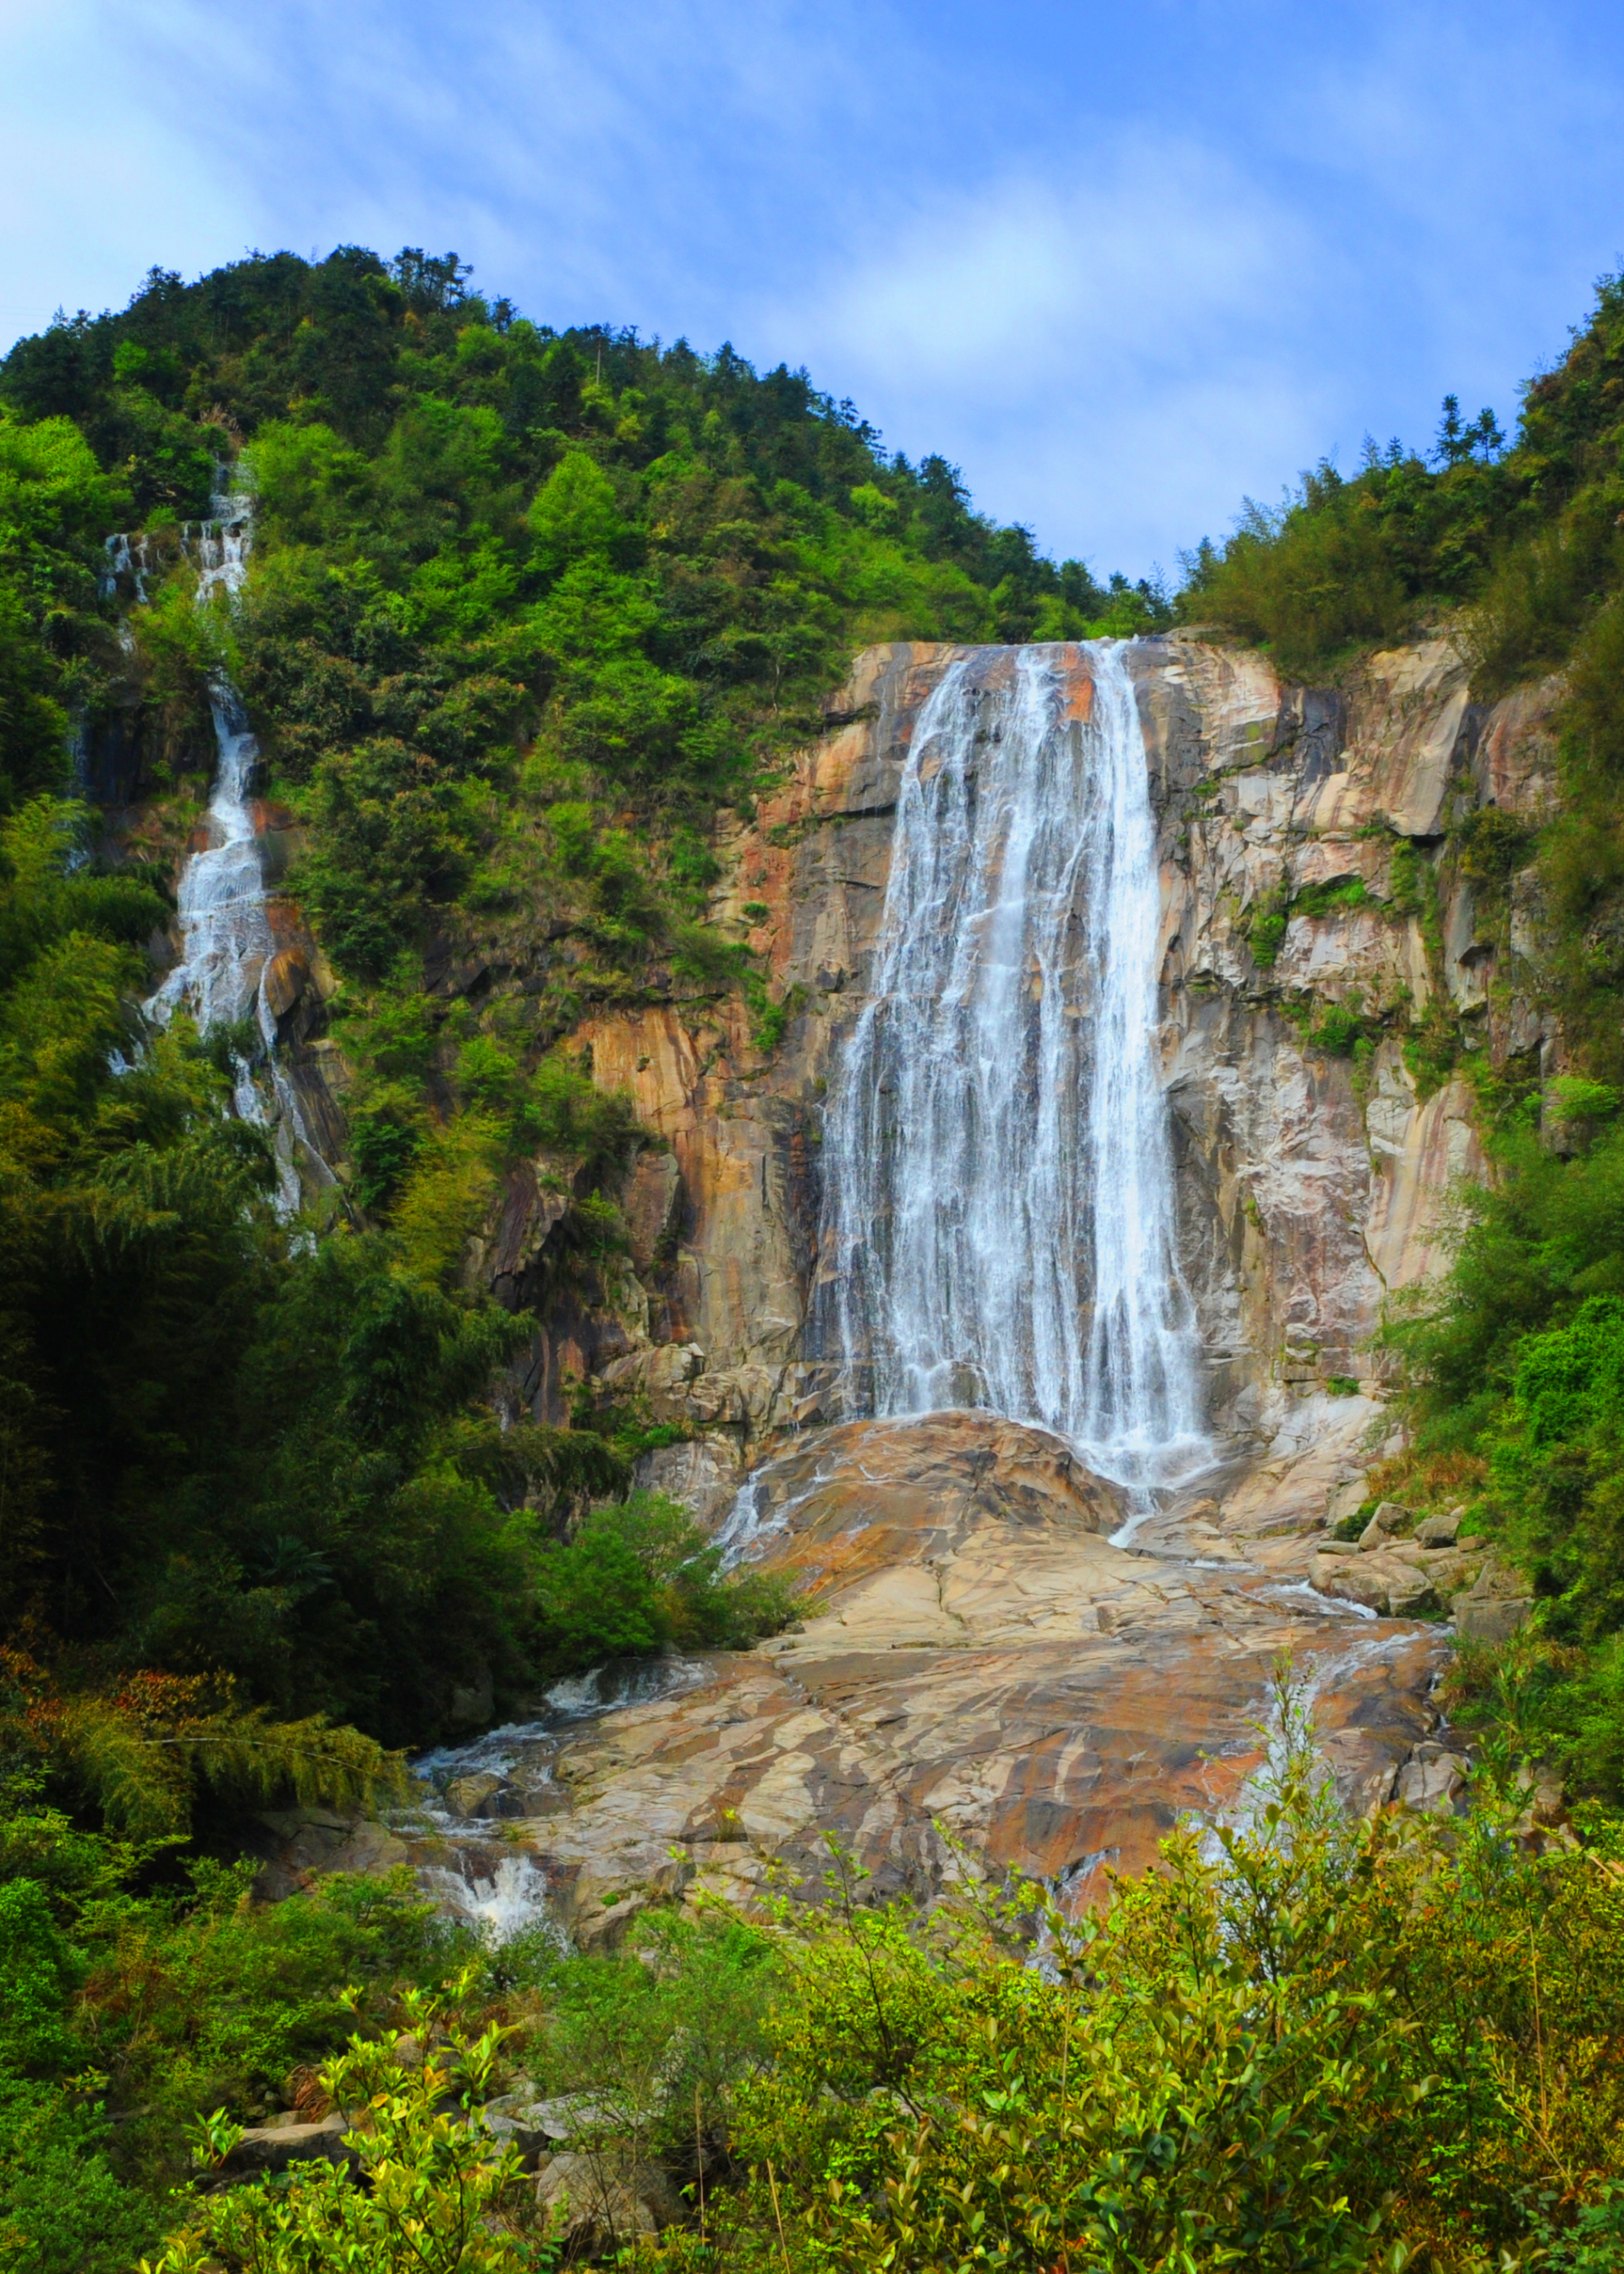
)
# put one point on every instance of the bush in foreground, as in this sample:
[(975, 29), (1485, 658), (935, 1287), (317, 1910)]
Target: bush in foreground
[(1303, 2046)]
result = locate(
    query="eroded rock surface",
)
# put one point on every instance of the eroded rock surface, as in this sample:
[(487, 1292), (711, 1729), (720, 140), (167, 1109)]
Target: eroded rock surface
[(983, 1661), (980, 1663), (1305, 880)]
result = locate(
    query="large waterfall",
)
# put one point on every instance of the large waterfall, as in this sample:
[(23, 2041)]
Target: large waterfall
[(998, 1226)]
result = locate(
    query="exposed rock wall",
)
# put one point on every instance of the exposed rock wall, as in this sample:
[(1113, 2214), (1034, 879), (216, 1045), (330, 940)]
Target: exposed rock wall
[(1315, 1177), (989, 1652)]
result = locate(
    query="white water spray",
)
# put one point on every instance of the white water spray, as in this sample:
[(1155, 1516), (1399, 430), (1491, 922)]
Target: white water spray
[(227, 944), (998, 1224)]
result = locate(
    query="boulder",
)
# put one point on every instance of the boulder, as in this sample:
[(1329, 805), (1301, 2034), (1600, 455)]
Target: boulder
[(1544, 1794), (309, 1841), (1390, 1585), (1390, 1522), (467, 1795), (1439, 1531), (272, 2147), (1489, 1618), (1495, 1607), (1432, 1781), (604, 2200), (473, 1703), (536, 2127), (1410, 1592)]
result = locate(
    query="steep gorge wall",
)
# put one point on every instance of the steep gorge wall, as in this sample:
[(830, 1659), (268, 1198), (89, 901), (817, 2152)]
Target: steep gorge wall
[(1312, 1182)]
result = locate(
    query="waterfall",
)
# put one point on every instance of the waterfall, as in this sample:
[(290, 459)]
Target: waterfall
[(998, 1222), (227, 944), (225, 930)]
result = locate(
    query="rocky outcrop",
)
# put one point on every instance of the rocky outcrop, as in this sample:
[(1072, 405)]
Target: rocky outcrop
[(1314, 912), (1315, 919), (981, 1662), (995, 1652)]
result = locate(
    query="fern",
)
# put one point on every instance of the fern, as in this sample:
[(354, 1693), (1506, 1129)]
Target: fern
[(144, 1769)]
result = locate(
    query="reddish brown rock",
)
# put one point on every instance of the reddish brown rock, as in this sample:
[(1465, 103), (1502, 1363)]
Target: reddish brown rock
[(979, 1663)]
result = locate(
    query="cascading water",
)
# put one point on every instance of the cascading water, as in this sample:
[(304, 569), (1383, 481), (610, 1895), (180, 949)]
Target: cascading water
[(226, 940), (999, 1225)]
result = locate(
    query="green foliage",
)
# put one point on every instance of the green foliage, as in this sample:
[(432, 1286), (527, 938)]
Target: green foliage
[(63, 2207), (437, 2197), (55, 505), (1339, 1030), (662, 2038), (1336, 893), (1315, 578), (1529, 538), (199, 1995), (1304, 2043), (1266, 936), (1515, 1362), (574, 516), (639, 1575), (524, 609), (161, 2004)]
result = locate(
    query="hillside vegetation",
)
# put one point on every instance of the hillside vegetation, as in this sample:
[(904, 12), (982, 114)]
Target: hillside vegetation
[(524, 609)]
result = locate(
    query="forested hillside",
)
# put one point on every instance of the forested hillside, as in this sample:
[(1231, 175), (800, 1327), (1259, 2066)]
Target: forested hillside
[(525, 608), (526, 611)]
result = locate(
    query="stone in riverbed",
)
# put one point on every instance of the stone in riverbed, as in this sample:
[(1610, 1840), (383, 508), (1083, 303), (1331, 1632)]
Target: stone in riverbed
[(1432, 1783), (980, 1659), (1390, 1585)]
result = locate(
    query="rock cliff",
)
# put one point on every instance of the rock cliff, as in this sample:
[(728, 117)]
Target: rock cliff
[(1325, 956), (990, 1654)]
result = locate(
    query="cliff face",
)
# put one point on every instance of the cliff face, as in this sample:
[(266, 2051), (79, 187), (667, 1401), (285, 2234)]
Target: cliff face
[(1312, 914), (1313, 1183), (989, 1652)]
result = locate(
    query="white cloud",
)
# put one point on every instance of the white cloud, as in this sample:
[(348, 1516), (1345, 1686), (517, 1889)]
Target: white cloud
[(1109, 355)]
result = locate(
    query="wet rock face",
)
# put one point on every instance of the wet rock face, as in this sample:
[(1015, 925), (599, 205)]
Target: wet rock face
[(982, 1659), (979, 1663), (1305, 883), (1304, 873)]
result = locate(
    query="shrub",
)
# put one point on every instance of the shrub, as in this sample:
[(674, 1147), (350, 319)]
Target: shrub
[(438, 2196), (639, 1575)]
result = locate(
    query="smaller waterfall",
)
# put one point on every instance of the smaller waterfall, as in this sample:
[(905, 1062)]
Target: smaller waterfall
[(225, 931), (998, 1222), (227, 944)]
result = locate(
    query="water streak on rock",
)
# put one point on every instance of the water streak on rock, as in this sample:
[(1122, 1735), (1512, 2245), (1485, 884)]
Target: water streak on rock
[(227, 944)]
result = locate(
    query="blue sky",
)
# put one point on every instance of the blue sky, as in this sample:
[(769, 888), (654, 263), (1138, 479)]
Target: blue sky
[(1123, 264)]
